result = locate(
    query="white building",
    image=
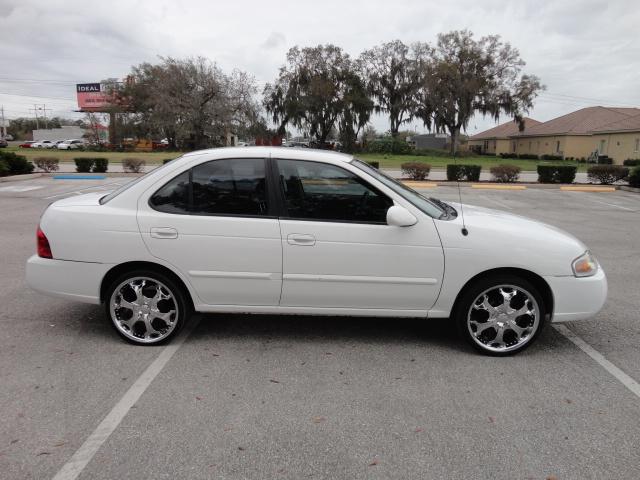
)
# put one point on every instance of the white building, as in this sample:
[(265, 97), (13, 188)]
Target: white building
[(55, 134)]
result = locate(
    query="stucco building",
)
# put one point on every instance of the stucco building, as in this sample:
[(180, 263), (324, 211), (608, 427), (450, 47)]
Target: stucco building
[(588, 132), (497, 140)]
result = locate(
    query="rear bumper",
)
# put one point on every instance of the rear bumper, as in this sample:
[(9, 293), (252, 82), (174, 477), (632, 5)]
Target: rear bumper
[(578, 298), (78, 281)]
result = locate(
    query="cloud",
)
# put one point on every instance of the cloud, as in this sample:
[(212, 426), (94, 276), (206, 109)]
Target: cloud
[(586, 52)]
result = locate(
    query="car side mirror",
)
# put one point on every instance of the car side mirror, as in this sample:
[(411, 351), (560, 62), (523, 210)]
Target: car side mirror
[(400, 217)]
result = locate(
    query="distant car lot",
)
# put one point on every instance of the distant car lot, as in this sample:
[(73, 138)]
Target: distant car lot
[(296, 397)]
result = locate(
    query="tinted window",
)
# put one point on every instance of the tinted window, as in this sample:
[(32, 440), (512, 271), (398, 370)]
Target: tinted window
[(325, 192), (230, 187), (174, 196)]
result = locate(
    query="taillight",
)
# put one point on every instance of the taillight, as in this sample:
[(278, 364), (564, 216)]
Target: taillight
[(44, 250)]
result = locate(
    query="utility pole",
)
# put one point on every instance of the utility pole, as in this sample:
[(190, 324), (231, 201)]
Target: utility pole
[(3, 126), (35, 112)]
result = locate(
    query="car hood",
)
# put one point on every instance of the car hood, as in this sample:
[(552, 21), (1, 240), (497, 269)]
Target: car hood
[(511, 240)]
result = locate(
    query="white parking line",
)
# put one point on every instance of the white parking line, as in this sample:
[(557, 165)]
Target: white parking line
[(20, 188), (91, 445), (612, 205), (622, 377), (83, 190), (496, 202)]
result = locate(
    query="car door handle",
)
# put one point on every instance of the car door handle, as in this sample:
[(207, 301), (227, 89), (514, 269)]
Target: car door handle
[(164, 232), (301, 239)]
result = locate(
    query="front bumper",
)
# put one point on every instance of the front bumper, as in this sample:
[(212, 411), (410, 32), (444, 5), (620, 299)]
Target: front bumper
[(78, 281), (577, 298)]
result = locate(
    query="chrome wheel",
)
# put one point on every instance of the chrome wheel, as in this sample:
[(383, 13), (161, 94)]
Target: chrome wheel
[(503, 318), (144, 310)]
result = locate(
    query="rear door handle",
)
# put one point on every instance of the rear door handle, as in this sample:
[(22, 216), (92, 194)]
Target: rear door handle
[(301, 239), (164, 232)]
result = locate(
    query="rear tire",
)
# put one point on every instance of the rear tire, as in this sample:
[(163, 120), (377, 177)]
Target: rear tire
[(500, 315), (146, 307)]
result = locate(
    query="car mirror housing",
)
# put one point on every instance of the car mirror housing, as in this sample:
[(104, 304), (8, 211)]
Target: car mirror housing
[(400, 217)]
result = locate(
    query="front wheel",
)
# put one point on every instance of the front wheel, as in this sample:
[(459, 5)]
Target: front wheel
[(501, 315), (146, 307)]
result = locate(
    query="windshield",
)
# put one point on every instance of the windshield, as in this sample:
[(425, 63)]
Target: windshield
[(416, 199), (126, 186)]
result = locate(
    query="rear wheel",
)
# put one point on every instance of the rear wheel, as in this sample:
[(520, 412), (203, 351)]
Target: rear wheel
[(146, 307), (501, 315)]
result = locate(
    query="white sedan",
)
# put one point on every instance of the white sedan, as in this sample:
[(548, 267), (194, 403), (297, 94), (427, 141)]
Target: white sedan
[(72, 144), (44, 144), (286, 231)]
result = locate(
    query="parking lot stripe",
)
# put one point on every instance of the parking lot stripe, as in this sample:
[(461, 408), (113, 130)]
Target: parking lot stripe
[(82, 190), (612, 205), (92, 444), (622, 377)]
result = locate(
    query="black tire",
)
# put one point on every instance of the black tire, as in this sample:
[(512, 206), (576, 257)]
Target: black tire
[(179, 299), (463, 307)]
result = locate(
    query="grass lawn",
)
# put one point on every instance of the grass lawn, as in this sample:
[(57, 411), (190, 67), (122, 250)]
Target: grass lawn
[(394, 161), (386, 161)]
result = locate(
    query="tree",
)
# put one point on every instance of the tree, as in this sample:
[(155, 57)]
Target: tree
[(463, 76), (393, 80), (315, 88), (190, 102)]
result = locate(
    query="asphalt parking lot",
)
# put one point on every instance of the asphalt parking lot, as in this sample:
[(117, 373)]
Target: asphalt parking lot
[(315, 397)]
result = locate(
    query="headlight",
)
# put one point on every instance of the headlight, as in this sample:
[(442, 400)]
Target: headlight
[(585, 265)]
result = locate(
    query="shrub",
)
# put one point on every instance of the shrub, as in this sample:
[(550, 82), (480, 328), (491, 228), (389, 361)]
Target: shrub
[(551, 157), (604, 160), (508, 155), (389, 145), (416, 170), (528, 156), (470, 173), (505, 173), (83, 165), (634, 177), (607, 174), (629, 162), (48, 164), (17, 164), (556, 173), (133, 165), (100, 165), (4, 168), (375, 165)]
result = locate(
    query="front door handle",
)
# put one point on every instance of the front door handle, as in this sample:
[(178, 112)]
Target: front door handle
[(301, 239), (164, 232)]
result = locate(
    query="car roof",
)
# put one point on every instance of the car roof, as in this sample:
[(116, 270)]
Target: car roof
[(274, 152)]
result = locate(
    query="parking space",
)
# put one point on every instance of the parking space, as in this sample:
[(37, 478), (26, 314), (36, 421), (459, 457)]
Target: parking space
[(315, 397)]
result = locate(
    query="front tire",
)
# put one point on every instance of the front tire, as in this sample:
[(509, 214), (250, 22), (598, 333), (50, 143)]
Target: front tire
[(146, 307), (500, 315)]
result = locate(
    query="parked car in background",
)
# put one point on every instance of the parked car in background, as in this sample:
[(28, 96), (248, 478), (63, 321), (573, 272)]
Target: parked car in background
[(8, 137), (3, 143), (26, 144), (300, 231), (43, 144), (72, 144)]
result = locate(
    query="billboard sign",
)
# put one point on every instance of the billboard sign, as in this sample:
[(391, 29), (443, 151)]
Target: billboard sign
[(92, 97)]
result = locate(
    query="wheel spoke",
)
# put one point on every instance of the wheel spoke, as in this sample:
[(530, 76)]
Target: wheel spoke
[(513, 326), (151, 298)]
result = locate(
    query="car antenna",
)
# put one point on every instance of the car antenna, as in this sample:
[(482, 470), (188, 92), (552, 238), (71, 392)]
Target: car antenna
[(464, 230)]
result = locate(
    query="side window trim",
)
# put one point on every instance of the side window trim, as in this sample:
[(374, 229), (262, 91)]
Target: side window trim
[(283, 212), (272, 213)]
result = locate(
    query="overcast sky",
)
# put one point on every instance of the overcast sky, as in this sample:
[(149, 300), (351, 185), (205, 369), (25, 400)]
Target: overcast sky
[(586, 52)]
